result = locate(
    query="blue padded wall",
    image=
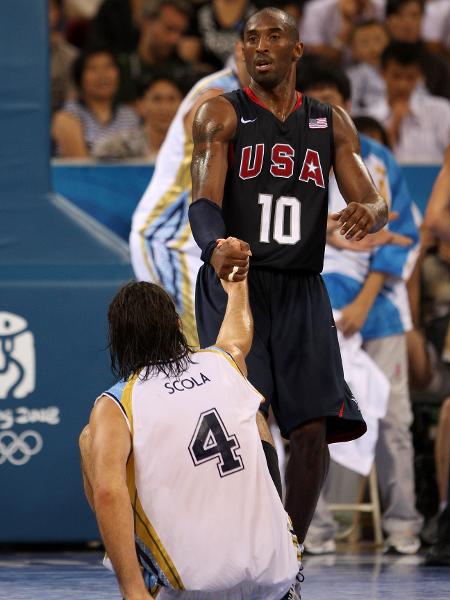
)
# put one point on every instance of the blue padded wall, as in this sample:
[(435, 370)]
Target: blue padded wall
[(59, 270)]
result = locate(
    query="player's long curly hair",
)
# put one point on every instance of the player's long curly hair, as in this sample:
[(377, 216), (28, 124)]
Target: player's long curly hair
[(145, 333)]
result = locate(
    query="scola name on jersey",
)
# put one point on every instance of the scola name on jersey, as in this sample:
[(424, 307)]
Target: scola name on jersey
[(179, 385), (282, 164)]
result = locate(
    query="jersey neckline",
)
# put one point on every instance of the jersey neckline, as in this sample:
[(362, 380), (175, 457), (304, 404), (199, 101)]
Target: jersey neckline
[(254, 98)]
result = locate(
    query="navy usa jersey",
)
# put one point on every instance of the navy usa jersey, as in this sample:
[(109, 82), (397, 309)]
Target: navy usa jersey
[(276, 189)]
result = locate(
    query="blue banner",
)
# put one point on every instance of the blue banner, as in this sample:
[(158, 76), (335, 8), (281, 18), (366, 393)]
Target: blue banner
[(110, 193)]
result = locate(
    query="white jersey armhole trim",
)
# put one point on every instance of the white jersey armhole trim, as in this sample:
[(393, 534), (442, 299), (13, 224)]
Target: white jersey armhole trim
[(117, 403), (230, 359)]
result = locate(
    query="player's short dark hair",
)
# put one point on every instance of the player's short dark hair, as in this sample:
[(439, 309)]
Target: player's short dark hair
[(403, 53), (366, 124), (145, 333), (317, 72), (288, 19), (153, 9), (80, 62), (393, 7)]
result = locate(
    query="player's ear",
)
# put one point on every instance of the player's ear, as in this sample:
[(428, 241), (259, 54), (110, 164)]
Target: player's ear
[(298, 50)]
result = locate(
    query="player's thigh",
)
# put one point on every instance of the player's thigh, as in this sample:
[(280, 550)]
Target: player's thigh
[(308, 370)]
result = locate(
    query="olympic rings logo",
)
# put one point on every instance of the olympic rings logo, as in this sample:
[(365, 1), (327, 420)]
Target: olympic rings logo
[(18, 449)]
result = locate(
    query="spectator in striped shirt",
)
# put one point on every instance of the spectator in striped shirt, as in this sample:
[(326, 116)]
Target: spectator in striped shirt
[(94, 116)]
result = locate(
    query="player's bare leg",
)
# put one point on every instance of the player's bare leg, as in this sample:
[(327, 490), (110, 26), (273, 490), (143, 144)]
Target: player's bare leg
[(306, 471), (86, 465)]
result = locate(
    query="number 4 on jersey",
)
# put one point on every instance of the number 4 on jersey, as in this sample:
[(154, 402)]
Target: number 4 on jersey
[(212, 441)]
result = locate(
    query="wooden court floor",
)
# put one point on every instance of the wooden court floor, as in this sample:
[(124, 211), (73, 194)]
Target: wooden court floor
[(344, 576)]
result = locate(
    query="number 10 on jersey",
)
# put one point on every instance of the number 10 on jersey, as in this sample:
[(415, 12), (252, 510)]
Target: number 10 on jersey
[(283, 205)]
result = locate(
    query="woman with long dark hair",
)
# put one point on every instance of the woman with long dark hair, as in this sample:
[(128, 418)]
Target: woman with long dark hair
[(94, 116)]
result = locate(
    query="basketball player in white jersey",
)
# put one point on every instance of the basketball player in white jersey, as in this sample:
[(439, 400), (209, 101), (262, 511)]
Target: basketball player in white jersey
[(173, 463)]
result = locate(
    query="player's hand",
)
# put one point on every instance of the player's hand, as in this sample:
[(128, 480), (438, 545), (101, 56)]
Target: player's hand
[(353, 317), (231, 258), (355, 221)]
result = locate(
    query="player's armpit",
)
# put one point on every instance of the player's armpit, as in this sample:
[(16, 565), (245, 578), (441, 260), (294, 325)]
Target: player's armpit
[(367, 210), (214, 126)]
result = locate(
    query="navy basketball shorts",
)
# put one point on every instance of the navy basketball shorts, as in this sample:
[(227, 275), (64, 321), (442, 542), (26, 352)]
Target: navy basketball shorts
[(295, 361)]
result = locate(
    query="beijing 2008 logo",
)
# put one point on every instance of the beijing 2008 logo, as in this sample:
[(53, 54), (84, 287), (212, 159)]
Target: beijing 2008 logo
[(17, 380), (17, 449), (17, 357)]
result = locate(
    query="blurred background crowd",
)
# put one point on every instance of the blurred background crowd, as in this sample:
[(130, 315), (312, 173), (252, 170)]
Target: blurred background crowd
[(119, 72), (120, 68)]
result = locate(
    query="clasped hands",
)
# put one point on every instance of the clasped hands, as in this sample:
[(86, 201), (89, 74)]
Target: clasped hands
[(231, 259)]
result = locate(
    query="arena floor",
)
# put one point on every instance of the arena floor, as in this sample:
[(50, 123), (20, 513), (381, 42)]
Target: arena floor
[(366, 576)]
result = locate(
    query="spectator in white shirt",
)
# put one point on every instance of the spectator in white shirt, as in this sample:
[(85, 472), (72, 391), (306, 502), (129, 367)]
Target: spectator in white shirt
[(436, 25), (404, 24), (418, 125), (328, 25), (369, 39)]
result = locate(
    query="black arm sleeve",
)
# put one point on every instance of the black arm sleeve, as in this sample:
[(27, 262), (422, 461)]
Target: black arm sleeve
[(207, 225)]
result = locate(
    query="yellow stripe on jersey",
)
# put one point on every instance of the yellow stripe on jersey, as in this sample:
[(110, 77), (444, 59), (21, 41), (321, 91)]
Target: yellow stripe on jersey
[(146, 532), (126, 400), (188, 316), (181, 184)]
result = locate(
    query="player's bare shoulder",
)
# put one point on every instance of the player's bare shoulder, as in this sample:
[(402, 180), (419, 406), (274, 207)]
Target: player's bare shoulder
[(215, 120)]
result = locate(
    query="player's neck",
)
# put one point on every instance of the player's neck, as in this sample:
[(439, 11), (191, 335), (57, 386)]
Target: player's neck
[(280, 100)]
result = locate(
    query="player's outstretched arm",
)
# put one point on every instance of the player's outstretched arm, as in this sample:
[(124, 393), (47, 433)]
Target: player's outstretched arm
[(214, 126), (236, 333), (111, 445), (367, 210)]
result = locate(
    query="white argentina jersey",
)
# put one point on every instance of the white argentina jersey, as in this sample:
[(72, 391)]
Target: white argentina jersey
[(208, 519), (161, 243)]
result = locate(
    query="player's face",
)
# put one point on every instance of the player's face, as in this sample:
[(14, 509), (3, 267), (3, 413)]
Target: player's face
[(269, 50)]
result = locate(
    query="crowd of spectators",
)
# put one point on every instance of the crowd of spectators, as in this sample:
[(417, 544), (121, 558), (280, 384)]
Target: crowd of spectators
[(395, 52), (120, 69)]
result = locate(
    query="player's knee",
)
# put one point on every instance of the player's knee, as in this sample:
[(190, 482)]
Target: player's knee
[(310, 436)]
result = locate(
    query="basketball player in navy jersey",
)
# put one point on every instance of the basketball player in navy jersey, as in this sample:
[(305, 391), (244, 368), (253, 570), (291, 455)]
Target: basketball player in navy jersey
[(260, 169)]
